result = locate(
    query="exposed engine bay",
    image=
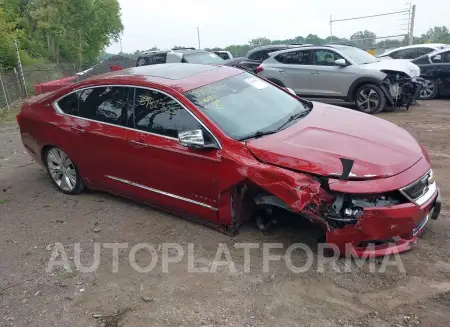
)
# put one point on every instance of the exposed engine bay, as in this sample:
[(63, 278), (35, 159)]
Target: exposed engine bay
[(400, 88)]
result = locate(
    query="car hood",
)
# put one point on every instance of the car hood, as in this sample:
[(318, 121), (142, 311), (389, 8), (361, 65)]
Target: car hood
[(402, 65), (315, 144)]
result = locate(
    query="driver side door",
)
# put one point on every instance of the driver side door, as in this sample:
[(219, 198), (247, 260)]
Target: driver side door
[(159, 169)]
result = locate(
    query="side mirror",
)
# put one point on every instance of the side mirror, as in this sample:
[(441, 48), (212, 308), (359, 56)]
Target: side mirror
[(340, 62), (192, 139), (290, 90)]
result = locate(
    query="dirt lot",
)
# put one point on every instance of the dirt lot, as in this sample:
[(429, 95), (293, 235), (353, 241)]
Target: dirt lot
[(34, 216)]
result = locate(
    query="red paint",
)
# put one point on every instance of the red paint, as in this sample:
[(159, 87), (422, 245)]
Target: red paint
[(283, 164)]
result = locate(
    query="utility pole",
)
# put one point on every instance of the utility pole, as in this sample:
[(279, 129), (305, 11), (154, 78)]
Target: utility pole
[(198, 36), (121, 49), (19, 63), (331, 30), (80, 49), (411, 26)]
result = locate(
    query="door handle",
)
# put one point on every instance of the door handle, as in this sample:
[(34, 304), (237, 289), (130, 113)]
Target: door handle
[(138, 144), (77, 129), (281, 71), (315, 73)]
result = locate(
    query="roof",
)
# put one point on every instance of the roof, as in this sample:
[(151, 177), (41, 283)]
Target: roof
[(180, 76), (425, 45)]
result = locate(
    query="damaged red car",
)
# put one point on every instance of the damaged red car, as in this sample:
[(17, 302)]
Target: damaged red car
[(223, 146)]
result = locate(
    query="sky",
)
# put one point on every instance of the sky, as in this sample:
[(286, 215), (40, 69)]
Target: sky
[(166, 23)]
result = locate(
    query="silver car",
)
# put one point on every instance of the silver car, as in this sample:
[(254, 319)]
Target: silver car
[(339, 73)]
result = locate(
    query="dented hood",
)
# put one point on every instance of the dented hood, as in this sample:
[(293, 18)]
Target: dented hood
[(315, 143), (400, 65)]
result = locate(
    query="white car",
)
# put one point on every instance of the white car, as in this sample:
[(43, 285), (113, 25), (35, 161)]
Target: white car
[(411, 52)]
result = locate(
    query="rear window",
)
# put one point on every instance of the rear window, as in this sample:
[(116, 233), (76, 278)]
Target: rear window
[(202, 58)]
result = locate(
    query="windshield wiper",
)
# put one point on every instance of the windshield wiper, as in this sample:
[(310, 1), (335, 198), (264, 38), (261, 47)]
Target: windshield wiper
[(258, 134), (294, 117)]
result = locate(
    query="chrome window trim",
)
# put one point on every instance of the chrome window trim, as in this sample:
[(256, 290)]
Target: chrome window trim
[(161, 192), (59, 111), (432, 188)]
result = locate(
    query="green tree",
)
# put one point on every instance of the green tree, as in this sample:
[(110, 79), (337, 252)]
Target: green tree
[(364, 39), (437, 34)]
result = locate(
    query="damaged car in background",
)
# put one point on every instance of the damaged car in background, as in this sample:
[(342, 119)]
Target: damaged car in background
[(341, 73), (225, 147)]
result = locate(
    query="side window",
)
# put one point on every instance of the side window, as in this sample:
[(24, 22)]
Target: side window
[(403, 54), (260, 55), (69, 104), (142, 61), (158, 113), (294, 57), (446, 56), (422, 51), (104, 104), (159, 58), (325, 57)]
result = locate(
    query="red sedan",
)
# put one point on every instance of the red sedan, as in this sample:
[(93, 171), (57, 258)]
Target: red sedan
[(222, 146)]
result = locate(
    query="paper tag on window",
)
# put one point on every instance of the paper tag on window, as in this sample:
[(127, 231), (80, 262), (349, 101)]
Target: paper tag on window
[(256, 82)]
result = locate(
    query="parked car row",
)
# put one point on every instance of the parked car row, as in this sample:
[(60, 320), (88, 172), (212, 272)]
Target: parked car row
[(332, 72), (222, 146)]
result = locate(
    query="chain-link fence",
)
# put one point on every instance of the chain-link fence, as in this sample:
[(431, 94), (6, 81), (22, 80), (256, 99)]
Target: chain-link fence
[(11, 90), (14, 88)]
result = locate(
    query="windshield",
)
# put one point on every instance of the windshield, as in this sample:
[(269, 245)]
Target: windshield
[(202, 58), (244, 104), (357, 55)]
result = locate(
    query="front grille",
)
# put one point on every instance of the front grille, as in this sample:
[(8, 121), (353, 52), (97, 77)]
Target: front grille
[(419, 187)]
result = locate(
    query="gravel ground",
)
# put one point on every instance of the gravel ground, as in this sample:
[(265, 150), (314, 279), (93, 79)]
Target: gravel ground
[(34, 216)]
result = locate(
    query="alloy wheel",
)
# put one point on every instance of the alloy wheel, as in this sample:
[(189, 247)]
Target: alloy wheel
[(367, 99), (427, 89), (61, 169)]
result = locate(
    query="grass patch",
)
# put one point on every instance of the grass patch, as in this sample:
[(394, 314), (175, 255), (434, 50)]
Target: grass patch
[(8, 116), (4, 201)]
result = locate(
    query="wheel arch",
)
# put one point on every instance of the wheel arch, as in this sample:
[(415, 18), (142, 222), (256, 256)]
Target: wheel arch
[(360, 82)]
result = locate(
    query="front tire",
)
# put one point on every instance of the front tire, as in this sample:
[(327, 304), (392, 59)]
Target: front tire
[(429, 91), (370, 99), (62, 171)]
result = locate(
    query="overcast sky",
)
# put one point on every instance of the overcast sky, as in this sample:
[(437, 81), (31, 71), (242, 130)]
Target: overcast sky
[(166, 23)]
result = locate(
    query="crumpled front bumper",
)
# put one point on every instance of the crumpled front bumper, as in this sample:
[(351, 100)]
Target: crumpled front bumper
[(385, 230)]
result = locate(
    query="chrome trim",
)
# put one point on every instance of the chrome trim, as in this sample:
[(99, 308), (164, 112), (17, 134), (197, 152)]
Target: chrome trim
[(421, 225), (432, 188), (59, 111), (161, 192)]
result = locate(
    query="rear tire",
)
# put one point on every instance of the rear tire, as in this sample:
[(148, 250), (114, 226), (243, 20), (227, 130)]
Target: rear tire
[(62, 171), (370, 99), (429, 91)]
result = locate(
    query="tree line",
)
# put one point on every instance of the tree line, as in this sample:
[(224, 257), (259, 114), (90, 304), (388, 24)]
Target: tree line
[(362, 39), (74, 31)]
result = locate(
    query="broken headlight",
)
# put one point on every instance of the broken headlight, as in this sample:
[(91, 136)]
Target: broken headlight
[(346, 208)]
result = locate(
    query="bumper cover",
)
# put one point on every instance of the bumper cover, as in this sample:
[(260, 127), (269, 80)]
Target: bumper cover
[(392, 229)]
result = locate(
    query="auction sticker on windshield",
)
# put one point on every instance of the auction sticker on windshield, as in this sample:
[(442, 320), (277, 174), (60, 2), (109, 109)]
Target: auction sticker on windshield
[(256, 82)]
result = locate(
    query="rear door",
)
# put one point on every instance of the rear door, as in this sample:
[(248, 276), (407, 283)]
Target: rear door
[(327, 78), (293, 69), (102, 119)]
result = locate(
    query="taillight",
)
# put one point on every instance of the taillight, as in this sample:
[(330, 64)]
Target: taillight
[(18, 118), (259, 69)]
